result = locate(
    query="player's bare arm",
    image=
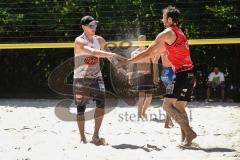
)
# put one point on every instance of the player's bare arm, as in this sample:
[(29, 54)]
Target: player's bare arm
[(104, 47), (155, 48), (80, 47)]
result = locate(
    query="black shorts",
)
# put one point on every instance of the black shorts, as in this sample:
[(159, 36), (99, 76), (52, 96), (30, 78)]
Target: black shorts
[(183, 86), (213, 86), (87, 88), (144, 83)]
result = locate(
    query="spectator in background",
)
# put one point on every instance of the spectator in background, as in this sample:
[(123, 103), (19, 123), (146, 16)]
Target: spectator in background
[(215, 82)]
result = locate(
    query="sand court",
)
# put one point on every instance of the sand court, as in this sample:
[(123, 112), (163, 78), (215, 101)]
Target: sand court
[(30, 130)]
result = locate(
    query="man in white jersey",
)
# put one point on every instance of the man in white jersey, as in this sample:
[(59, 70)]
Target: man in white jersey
[(216, 82), (88, 81)]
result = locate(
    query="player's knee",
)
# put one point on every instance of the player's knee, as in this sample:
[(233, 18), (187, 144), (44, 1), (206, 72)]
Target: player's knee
[(149, 95), (165, 106), (100, 104), (222, 86), (81, 109), (141, 94)]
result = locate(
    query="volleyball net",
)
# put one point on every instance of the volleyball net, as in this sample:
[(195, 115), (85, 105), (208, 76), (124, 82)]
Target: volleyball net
[(123, 43)]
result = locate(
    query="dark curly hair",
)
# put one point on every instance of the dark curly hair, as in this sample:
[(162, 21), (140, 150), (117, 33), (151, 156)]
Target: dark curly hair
[(172, 12)]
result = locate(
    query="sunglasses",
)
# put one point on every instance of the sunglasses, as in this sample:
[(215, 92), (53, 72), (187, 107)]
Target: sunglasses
[(93, 26)]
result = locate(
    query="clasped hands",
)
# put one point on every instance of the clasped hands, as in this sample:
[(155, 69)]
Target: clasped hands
[(120, 61)]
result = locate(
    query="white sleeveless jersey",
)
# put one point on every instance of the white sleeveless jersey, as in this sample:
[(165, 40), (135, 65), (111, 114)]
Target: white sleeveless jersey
[(87, 66)]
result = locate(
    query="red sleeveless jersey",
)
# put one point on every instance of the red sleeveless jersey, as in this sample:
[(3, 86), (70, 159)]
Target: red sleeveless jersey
[(178, 53)]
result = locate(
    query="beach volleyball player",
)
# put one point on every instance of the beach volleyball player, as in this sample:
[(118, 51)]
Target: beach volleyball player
[(173, 41), (88, 50)]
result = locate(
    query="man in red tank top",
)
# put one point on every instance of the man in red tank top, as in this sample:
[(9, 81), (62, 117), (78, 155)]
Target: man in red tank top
[(173, 41)]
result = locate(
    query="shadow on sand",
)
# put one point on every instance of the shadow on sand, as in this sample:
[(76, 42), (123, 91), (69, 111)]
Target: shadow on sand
[(208, 150), (147, 148)]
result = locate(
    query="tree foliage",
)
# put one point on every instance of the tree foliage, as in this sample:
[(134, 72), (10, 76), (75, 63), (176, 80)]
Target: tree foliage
[(58, 21)]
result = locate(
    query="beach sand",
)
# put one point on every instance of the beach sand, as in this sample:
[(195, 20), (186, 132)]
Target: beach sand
[(30, 130)]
